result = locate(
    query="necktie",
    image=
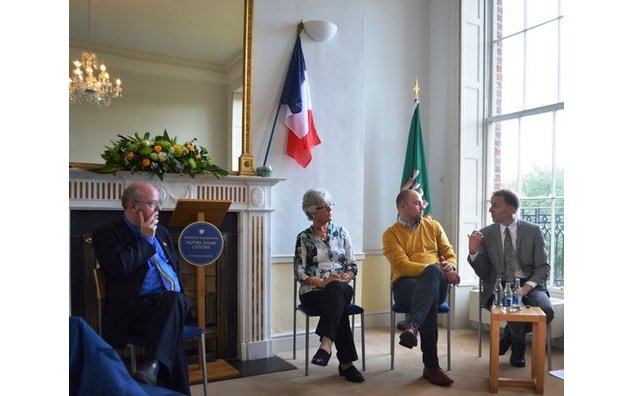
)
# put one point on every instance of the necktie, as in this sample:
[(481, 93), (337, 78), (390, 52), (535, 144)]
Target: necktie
[(165, 278), (509, 256)]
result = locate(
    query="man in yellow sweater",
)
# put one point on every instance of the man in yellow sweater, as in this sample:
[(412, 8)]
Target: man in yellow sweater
[(423, 265)]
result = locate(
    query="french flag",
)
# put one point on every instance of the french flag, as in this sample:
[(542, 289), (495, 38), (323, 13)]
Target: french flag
[(302, 134)]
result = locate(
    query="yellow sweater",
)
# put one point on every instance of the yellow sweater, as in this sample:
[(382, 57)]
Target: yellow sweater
[(410, 251)]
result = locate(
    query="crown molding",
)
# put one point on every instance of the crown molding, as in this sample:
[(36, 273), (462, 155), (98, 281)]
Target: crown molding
[(160, 65)]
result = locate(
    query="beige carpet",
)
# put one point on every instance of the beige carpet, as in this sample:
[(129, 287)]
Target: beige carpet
[(470, 373)]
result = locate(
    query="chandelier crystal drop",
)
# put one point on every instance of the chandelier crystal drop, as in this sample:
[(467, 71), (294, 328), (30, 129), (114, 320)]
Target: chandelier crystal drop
[(91, 85)]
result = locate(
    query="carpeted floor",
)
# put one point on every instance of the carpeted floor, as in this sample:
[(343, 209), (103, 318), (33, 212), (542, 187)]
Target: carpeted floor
[(471, 374)]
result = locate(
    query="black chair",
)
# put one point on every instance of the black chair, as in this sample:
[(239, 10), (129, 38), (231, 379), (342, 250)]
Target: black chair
[(482, 305), (189, 332), (353, 309), (444, 308)]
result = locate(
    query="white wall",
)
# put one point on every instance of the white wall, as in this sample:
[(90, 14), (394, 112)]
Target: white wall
[(397, 39), (336, 72), (361, 90)]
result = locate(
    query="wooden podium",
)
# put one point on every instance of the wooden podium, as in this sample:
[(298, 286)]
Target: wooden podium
[(186, 212)]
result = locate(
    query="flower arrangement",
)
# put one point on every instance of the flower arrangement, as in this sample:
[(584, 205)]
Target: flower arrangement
[(159, 156)]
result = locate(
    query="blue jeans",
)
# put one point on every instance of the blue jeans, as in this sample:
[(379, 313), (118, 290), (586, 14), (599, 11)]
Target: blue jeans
[(423, 295)]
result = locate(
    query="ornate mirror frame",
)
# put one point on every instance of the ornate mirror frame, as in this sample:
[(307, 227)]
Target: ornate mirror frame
[(247, 161)]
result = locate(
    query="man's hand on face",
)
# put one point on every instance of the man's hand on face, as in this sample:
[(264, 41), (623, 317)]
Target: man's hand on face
[(148, 226)]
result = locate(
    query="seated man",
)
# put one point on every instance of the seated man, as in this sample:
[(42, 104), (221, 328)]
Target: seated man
[(423, 265), (511, 248), (144, 296)]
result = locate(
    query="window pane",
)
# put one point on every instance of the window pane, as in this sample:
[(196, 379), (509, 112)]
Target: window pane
[(511, 16), (536, 155), (507, 164), (542, 65), (560, 158), (511, 72), (540, 11)]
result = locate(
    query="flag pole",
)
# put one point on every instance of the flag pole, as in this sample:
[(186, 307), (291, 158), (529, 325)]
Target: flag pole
[(416, 91), (300, 28), (268, 147)]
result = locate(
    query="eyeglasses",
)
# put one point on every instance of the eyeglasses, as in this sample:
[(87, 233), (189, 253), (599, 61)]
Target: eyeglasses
[(328, 206), (151, 204)]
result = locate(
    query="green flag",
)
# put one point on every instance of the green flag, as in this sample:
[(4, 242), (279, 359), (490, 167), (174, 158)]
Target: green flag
[(415, 167)]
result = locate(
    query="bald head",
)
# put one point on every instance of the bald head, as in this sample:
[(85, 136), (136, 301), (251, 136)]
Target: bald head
[(134, 191), (409, 205), (403, 195)]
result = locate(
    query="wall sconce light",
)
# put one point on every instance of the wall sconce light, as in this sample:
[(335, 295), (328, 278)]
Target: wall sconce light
[(319, 30)]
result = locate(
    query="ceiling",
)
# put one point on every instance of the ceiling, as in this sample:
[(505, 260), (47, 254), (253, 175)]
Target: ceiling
[(202, 30)]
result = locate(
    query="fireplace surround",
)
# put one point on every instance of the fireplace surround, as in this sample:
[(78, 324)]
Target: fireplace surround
[(250, 198)]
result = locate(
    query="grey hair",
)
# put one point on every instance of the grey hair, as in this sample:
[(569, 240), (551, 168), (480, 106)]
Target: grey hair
[(130, 193), (312, 198)]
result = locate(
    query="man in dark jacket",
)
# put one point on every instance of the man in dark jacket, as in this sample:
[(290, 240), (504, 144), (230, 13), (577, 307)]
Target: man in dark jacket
[(143, 291)]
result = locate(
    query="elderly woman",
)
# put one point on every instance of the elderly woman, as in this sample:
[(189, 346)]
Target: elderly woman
[(324, 265)]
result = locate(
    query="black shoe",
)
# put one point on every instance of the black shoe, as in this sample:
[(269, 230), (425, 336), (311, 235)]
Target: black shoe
[(409, 336), (351, 374), (321, 358), (148, 373), (517, 355)]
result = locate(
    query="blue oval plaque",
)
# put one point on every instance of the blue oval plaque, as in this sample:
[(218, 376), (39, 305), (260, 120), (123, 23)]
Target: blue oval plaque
[(200, 243)]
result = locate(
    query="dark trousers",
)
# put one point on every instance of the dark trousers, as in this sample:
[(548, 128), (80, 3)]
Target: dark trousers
[(159, 319), (423, 295), (334, 323), (538, 297)]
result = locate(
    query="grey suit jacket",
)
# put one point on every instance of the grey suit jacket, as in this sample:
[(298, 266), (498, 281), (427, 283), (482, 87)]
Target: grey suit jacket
[(531, 255)]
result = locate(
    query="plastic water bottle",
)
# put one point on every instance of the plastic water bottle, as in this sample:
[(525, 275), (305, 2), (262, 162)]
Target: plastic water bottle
[(517, 296), (508, 297), (497, 293)]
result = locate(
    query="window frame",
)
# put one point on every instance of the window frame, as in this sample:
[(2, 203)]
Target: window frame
[(492, 117)]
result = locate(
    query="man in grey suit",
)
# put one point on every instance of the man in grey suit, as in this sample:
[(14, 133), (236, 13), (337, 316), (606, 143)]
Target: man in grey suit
[(527, 257)]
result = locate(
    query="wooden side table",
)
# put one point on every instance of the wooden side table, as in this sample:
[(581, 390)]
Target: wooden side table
[(528, 315)]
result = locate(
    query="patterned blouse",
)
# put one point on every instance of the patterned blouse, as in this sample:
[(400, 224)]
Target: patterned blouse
[(320, 258)]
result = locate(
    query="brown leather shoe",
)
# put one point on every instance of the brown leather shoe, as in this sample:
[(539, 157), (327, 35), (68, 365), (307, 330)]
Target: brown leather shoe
[(409, 336), (436, 376)]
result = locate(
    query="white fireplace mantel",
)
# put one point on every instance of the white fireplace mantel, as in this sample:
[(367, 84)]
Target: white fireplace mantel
[(250, 197)]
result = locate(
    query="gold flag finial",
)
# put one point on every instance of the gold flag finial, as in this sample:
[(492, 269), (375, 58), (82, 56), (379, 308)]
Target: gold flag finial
[(416, 90)]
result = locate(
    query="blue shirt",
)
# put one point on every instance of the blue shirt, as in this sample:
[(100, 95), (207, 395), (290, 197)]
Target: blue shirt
[(153, 283)]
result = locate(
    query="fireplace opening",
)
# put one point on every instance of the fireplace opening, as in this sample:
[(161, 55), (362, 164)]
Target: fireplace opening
[(221, 297)]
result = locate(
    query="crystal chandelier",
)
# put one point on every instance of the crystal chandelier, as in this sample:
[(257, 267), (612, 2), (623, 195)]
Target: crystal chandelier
[(88, 87)]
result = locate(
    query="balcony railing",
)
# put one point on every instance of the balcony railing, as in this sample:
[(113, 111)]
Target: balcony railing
[(553, 231)]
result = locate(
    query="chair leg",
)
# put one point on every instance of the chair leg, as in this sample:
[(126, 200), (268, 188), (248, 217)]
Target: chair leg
[(480, 331), (306, 353), (550, 356), (392, 324), (363, 341), (448, 340), (294, 332), (203, 355)]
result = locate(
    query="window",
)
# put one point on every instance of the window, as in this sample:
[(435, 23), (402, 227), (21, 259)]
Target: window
[(525, 115), (236, 128)]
